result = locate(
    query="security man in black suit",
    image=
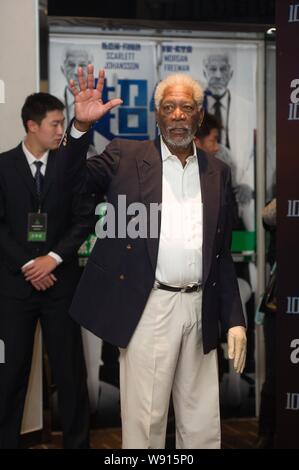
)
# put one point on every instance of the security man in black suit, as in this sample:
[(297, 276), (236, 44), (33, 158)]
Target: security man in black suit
[(42, 225)]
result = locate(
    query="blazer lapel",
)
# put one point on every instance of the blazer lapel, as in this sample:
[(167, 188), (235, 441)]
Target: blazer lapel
[(150, 179), (210, 190), (23, 169)]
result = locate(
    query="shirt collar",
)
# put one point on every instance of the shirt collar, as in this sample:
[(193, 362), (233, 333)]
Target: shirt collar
[(165, 152), (223, 99), (31, 158)]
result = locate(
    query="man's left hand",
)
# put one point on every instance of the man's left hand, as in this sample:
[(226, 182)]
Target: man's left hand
[(236, 342), (89, 106), (41, 267)]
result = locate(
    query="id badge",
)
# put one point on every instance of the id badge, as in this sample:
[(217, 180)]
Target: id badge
[(37, 227)]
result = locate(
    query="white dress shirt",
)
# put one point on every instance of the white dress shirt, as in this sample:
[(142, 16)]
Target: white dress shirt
[(31, 159), (180, 248)]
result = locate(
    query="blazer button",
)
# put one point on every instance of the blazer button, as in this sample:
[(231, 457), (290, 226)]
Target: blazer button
[(214, 284), (217, 256), (219, 230), (122, 277), (129, 247)]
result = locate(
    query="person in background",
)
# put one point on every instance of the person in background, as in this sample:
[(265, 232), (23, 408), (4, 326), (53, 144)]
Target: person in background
[(207, 139), (42, 225), (207, 135)]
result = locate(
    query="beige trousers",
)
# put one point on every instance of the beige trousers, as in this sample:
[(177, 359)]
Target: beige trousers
[(165, 355)]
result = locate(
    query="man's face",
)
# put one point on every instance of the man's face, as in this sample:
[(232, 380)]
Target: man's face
[(178, 116), (72, 61), (49, 132), (218, 73), (208, 144)]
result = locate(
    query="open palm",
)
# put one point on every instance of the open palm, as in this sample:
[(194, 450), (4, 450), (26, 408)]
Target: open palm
[(89, 106)]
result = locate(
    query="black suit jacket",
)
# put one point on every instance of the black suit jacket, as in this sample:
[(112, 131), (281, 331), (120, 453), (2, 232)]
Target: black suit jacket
[(70, 220), (120, 274)]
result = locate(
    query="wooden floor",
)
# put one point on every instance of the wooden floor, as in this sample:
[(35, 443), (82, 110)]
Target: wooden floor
[(236, 434)]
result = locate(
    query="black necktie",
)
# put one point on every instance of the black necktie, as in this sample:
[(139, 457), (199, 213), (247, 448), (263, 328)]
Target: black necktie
[(218, 115), (39, 178), (69, 105)]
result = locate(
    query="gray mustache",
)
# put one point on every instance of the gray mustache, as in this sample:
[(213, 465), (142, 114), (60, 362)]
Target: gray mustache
[(186, 128)]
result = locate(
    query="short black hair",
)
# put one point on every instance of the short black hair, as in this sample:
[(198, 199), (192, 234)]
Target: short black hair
[(209, 122), (37, 105)]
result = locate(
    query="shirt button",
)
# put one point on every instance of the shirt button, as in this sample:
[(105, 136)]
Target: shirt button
[(122, 277)]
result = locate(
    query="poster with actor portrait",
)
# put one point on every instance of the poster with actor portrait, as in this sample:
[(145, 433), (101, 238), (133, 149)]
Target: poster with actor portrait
[(130, 68), (227, 72)]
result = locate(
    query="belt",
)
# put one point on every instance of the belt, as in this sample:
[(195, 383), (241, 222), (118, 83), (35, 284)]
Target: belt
[(186, 289)]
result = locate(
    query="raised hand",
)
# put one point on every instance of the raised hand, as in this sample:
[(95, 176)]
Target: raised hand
[(89, 106)]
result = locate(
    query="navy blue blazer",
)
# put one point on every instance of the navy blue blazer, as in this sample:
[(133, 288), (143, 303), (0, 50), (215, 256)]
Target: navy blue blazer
[(120, 273)]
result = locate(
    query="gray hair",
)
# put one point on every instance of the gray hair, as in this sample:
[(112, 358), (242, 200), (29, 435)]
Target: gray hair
[(77, 51), (222, 54), (179, 79)]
